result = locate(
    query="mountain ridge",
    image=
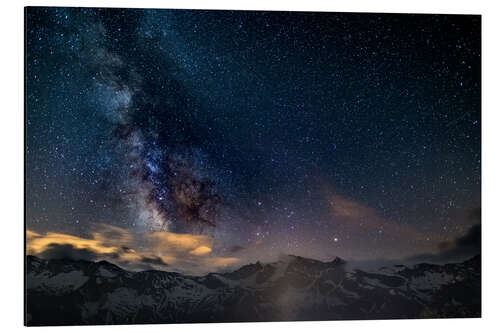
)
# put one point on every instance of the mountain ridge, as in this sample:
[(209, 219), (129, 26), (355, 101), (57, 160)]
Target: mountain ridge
[(69, 292)]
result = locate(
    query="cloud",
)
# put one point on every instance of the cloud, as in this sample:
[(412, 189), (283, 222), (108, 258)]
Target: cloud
[(153, 260), (63, 251), (201, 250), (223, 262), (118, 235), (172, 242), (359, 216), (37, 243), (395, 240), (471, 239), (350, 209), (460, 249), (187, 253)]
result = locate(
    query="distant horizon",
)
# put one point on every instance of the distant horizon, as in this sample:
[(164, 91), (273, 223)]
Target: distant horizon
[(354, 264)]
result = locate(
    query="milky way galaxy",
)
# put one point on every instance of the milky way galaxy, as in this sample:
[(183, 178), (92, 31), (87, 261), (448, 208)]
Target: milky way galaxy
[(201, 140)]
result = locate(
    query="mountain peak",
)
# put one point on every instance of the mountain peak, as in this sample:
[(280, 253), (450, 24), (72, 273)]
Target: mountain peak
[(245, 271), (338, 261)]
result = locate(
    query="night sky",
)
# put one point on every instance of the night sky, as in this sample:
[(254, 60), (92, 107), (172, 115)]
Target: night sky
[(202, 140)]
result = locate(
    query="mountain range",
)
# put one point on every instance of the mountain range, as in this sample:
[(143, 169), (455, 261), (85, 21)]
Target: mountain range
[(78, 292)]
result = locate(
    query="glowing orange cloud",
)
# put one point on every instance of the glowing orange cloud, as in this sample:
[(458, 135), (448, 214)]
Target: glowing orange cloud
[(168, 241), (37, 243), (188, 252), (220, 262), (201, 250)]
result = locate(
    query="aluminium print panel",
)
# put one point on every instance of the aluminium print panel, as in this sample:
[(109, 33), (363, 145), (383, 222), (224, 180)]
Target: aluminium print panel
[(189, 166)]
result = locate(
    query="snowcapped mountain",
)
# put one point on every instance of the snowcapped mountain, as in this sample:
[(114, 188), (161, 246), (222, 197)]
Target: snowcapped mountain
[(67, 292)]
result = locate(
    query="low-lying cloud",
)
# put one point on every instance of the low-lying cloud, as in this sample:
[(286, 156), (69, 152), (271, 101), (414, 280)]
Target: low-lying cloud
[(460, 249), (186, 253)]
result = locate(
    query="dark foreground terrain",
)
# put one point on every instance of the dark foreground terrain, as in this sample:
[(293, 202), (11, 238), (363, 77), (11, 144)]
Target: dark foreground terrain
[(66, 292)]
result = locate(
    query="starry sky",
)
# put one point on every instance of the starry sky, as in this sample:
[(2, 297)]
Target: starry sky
[(201, 140)]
